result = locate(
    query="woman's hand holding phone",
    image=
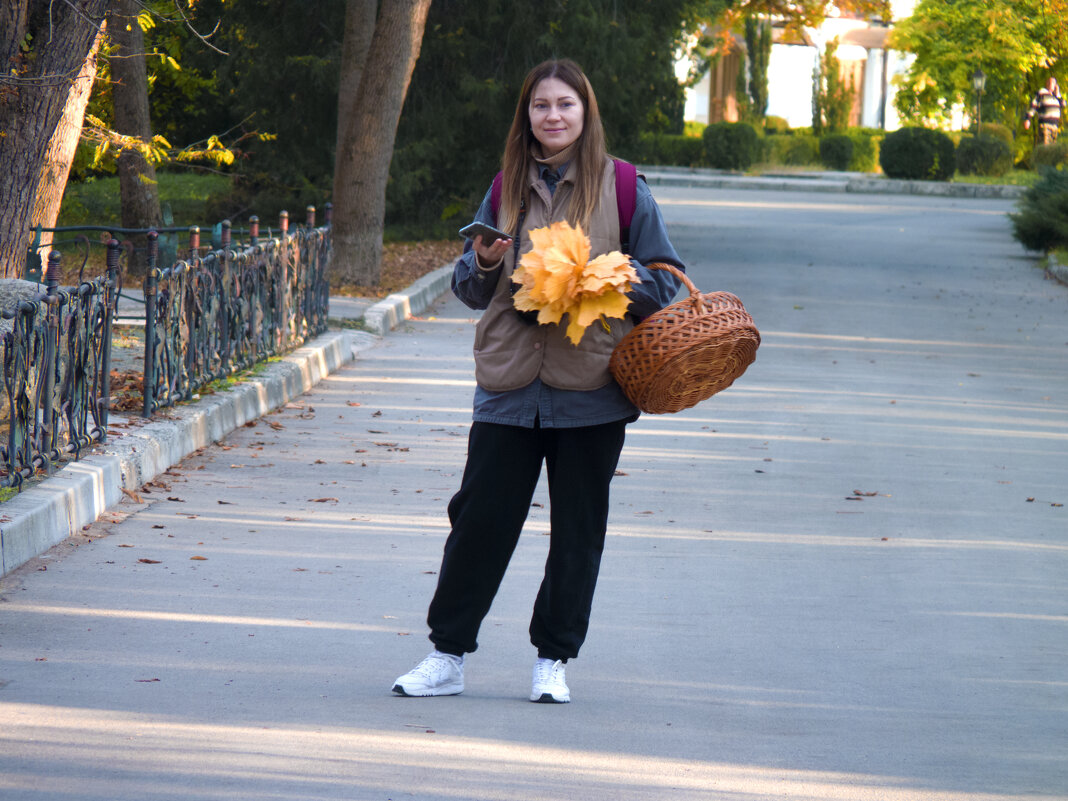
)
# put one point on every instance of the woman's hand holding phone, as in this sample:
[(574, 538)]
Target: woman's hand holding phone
[(490, 243)]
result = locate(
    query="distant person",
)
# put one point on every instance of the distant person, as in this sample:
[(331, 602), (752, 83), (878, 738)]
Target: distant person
[(539, 398), (1046, 105)]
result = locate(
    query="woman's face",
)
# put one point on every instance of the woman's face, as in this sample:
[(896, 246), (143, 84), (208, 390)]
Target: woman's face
[(556, 115)]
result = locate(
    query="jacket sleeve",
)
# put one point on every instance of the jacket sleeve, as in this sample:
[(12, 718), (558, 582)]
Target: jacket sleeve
[(472, 284), (649, 243)]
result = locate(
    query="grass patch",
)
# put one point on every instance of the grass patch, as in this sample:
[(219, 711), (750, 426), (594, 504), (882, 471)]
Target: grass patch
[(347, 324), (96, 201), (1011, 178)]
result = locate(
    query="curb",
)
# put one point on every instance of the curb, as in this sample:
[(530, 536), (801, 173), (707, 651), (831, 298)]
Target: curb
[(387, 314), (823, 182), (46, 514), (1057, 270)]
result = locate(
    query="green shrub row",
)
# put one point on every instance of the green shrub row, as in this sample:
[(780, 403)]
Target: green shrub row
[(909, 153), (737, 146), (925, 154)]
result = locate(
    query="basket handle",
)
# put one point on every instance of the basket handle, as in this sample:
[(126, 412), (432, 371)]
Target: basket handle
[(695, 293)]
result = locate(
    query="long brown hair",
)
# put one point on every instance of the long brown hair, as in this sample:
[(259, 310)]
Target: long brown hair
[(589, 156)]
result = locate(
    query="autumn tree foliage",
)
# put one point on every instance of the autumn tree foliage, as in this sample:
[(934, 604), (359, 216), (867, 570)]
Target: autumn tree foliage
[(1018, 44)]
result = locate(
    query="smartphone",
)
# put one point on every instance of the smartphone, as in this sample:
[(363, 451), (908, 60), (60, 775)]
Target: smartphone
[(488, 233)]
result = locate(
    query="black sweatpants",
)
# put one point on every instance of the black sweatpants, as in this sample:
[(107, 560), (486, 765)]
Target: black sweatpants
[(487, 515)]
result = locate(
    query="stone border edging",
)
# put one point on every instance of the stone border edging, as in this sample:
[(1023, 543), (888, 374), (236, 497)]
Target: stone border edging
[(46, 514), (387, 314), (1057, 270)]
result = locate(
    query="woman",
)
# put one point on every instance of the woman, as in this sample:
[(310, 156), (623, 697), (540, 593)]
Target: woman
[(539, 397)]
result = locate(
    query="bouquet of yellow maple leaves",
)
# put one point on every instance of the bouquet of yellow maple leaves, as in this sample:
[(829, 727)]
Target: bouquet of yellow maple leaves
[(557, 277)]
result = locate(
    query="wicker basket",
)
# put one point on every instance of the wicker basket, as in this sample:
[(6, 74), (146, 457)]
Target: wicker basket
[(686, 352)]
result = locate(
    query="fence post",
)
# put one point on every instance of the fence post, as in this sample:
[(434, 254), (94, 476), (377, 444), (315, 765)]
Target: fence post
[(328, 214), (46, 432), (311, 217), (151, 286), (111, 302), (254, 230)]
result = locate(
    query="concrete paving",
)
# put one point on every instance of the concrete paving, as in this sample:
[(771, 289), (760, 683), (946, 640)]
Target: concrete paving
[(843, 578)]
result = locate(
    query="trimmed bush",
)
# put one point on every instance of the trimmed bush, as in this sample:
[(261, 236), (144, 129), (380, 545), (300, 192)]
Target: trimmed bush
[(1042, 221), (865, 150), (1055, 155), (776, 125), (836, 151), (917, 154), (998, 131), (794, 150), (671, 150), (983, 155), (731, 145)]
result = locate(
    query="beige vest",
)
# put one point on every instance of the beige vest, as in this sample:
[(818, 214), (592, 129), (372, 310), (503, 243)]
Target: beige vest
[(510, 352)]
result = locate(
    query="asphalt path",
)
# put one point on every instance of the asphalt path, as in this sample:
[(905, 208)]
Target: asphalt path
[(843, 578)]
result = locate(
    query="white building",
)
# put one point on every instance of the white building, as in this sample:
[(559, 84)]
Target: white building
[(861, 50)]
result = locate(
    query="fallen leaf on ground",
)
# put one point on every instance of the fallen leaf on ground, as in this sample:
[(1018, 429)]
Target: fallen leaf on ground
[(150, 561), (322, 500), (133, 496), (198, 558)]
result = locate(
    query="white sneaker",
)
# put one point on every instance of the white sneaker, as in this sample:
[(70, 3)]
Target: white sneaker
[(437, 674), (549, 685)]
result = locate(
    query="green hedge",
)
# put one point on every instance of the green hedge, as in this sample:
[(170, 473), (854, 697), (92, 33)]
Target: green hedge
[(792, 150), (1042, 220), (1055, 155), (865, 149), (796, 148), (836, 151), (731, 145), (917, 154), (671, 150), (983, 155)]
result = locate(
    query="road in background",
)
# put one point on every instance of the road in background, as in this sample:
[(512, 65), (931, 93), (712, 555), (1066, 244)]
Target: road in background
[(843, 578)]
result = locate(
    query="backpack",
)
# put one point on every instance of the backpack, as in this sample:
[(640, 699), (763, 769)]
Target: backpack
[(626, 198)]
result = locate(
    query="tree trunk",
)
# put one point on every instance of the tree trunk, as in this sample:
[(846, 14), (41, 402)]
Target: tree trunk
[(62, 148), (368, 128), (43, 47), (138, 190)]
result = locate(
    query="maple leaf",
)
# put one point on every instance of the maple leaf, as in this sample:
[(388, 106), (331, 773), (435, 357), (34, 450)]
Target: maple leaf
[(557, 277)]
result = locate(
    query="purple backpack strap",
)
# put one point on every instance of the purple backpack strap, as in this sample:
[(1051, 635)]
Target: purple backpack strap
[(495, 195), (626, 198)]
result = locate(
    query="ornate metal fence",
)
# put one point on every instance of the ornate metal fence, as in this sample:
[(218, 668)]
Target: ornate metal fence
[(206, 317), (56, 370)]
